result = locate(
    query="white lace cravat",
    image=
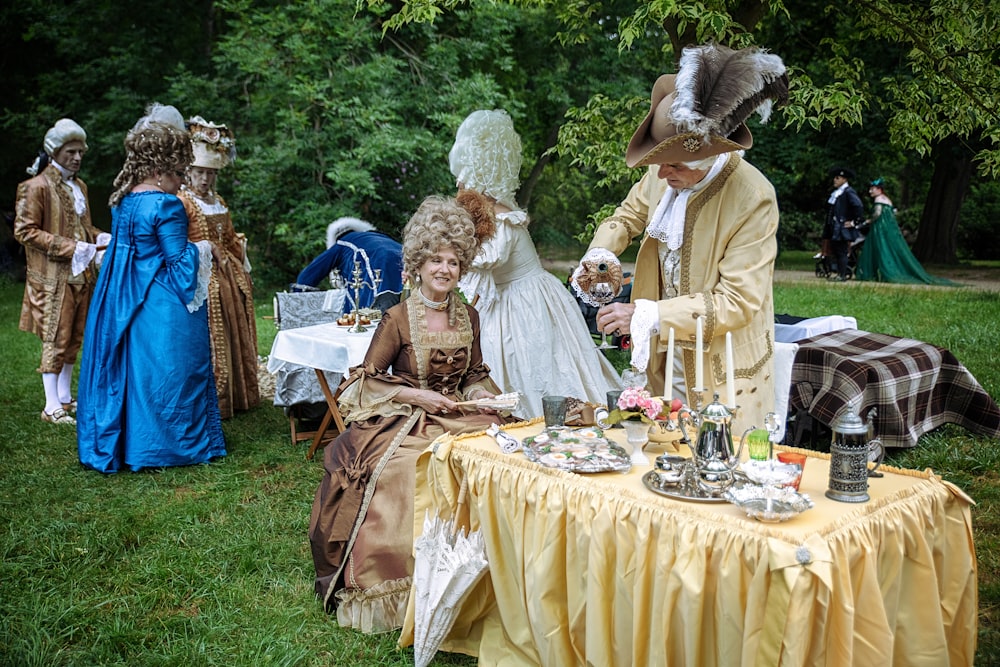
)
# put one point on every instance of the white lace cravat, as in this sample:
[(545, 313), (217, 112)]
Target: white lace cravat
[(69, 178), (667, 224), (836, 193)]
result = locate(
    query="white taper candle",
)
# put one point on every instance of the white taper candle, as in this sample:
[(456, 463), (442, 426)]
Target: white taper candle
[(668, 382), (730, 370), (699, 370)]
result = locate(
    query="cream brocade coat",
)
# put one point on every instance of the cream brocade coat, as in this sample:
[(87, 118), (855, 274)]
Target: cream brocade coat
[(726, 275)]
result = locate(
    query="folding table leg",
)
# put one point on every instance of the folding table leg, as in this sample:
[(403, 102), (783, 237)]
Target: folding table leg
[(332, 412)]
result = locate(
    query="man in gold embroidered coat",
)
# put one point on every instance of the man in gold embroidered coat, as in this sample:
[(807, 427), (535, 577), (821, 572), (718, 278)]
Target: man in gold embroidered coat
[(53, 224), (708, 220), (231, 322)]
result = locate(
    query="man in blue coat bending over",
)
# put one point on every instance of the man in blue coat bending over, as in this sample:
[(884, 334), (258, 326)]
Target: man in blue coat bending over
[(350, 240)]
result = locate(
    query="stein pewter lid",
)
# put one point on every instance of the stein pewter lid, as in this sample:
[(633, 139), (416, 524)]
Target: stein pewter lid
[(850, 423)]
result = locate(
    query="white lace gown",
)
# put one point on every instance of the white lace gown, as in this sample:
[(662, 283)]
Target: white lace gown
[(534, 337)]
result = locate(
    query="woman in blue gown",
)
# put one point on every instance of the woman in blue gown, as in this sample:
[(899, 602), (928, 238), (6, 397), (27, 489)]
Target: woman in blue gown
[(146, 390)]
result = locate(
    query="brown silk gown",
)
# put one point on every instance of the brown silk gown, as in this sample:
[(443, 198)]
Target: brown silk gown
[(361, 528), (231, 323)]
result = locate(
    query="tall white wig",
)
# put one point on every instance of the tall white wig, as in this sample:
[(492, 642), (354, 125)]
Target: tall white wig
[(486, 156)]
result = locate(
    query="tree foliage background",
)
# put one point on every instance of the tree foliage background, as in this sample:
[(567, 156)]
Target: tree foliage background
[(344, 107)]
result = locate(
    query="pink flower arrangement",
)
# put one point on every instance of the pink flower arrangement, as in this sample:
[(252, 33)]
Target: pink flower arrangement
[(636, 404)]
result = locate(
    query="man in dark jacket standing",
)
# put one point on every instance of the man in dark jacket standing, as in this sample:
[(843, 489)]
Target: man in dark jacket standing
[(844, 211)]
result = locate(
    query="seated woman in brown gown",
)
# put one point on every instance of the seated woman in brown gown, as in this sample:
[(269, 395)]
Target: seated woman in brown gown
[(423, 359)]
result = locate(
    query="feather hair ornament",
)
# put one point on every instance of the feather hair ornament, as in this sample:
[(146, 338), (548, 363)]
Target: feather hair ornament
[(718, 88)]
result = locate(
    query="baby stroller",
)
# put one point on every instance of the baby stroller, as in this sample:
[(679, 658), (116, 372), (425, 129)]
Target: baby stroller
[(826, 264)]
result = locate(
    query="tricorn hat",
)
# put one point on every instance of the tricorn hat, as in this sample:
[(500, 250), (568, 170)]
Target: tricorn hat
[(700, 111), (214, 147), (843, 172)]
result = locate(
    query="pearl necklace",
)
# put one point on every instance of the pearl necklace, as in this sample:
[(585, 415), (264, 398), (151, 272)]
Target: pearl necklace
[(433, 305)]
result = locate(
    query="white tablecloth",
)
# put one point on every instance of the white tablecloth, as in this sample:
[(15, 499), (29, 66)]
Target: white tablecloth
[(784, 359), (328, 347), (793, 333)]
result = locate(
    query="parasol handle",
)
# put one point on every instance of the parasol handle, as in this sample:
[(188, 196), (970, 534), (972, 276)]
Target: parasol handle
[(462, 492)]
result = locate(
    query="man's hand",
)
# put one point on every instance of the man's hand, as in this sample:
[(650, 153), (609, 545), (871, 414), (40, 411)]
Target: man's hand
[(615, 318)]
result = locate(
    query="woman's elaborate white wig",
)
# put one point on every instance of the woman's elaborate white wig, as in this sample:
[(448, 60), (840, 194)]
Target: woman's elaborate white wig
[(486, 156)]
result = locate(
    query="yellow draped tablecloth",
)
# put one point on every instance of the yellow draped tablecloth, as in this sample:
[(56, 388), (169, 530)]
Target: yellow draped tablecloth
[(598, 570)]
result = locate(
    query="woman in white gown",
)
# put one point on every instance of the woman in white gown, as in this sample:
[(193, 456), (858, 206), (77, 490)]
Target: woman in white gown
[(534, 337)]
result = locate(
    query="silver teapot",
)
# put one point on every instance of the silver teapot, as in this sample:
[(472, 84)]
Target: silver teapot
[(852, 448), (713, 453)]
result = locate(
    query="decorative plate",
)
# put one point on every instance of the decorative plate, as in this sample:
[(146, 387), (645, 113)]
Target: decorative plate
[(580, 450), (769, 504)]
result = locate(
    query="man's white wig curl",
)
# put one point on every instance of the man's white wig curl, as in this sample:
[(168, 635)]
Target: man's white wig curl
[(60, 134)]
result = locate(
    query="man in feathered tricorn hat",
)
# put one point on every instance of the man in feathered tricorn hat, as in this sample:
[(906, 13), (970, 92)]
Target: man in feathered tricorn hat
[(708, 220)]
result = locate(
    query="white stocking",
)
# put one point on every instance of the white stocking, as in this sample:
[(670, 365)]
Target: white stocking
[(51, 383), (65, 378)]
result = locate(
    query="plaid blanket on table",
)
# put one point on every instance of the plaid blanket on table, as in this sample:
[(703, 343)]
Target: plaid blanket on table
[(915, 386)]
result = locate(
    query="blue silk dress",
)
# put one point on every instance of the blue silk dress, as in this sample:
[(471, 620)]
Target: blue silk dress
[(146, 394)]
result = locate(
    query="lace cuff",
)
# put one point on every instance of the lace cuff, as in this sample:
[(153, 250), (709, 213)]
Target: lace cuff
[(204, 275), (368, 393), (103, 239), (246, 256), (593, 256), (645, 322), (82, 256)]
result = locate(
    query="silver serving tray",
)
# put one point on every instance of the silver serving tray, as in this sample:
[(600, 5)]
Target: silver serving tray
[(652, 481)]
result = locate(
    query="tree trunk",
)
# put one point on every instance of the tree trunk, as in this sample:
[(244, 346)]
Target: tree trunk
[(949, 186), (528, 186)]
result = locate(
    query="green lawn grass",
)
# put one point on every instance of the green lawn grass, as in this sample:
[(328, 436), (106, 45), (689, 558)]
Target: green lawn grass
[(210, 565)]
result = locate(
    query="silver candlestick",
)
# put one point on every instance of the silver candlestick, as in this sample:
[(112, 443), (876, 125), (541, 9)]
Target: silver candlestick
[(356, 283)]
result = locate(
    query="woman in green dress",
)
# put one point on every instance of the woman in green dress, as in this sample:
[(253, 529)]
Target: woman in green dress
[(885, 256)]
